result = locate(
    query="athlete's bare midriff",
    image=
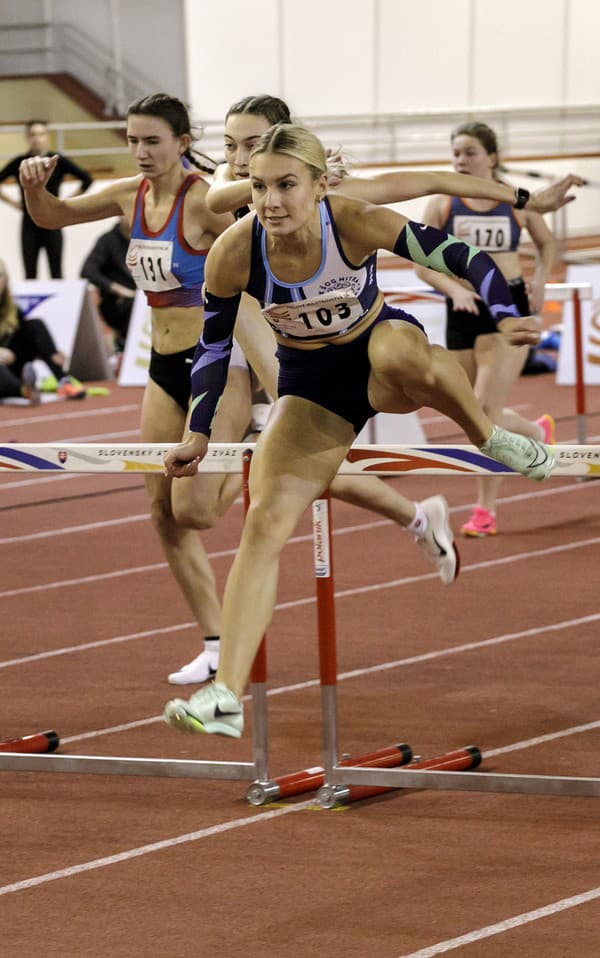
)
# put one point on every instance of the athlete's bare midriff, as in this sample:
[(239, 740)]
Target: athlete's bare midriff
[(175, 328)]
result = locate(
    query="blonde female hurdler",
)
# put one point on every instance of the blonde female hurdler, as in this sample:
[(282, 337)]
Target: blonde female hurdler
[(344, 354)]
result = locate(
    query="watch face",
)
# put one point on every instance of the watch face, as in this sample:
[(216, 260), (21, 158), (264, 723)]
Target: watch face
[(522, 197)]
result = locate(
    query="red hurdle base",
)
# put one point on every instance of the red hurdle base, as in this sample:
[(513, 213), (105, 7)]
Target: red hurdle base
[(311, 779), (30, 744), (460, 760)]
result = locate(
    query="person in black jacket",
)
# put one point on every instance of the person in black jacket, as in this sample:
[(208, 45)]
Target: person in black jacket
[(106, 269), (34, 238)]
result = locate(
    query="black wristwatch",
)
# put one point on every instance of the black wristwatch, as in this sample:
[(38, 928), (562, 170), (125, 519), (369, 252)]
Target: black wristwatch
[(521, 197)]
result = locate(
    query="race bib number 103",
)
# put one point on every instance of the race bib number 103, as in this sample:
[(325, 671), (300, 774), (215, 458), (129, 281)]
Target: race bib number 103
[(317, 318)]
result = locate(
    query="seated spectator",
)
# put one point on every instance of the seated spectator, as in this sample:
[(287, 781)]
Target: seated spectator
[(21, 342), (105, 268)]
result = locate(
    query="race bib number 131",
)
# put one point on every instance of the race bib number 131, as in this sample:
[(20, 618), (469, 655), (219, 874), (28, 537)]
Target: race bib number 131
[(150, 265)]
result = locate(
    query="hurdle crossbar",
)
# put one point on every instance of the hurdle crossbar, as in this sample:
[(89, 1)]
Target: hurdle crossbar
[(112, 765), (423, 459), (465, 781)]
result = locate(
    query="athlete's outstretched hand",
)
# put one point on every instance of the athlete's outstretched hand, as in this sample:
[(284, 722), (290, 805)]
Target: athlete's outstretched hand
[(520, 331), (554, 196), (185, 458), (35, 171)]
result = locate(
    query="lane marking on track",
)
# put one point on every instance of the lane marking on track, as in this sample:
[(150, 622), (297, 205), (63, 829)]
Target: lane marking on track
[(30, 883), (164, 845), (73, 649), (507, 924), (153, 567), (344, 530), (387, 666), (68, 530), (71, 414)]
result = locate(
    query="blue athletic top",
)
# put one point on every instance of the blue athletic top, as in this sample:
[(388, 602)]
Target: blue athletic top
[(494, 231), (325, 305), (162, 263)]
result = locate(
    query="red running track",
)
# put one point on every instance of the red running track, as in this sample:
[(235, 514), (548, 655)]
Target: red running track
[(505, 659)]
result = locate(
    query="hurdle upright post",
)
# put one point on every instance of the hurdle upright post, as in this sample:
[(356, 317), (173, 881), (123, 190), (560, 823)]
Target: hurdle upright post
[(579, 370), (323, 560), (258, 673)]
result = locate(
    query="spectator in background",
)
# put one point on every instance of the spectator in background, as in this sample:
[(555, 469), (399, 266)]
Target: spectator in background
[(34, 238), (22, 341), (106, 269)]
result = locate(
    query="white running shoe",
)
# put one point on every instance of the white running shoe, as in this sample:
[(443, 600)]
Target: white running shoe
[(214, 709), (438, 541), (200, 669), (528, 456)]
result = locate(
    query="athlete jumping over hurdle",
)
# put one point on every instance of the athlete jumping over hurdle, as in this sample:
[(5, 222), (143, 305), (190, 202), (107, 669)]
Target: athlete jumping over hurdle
[(344, 355)]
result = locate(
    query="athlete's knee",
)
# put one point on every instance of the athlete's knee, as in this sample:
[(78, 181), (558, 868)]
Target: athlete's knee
[(194, 507), (190, 514), (162, 518), (404, 365), (268, 524)]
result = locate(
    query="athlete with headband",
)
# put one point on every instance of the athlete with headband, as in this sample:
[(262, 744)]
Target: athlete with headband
[(344, 354)]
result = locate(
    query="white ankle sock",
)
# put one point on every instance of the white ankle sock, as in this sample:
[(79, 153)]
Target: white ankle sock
[(419, 524)]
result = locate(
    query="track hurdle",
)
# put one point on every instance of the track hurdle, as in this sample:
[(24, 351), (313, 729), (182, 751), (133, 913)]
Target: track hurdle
[(344, 782), (571, 460), (18, 755)]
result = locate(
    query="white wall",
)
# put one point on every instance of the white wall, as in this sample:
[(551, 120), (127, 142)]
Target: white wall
[(360, 56)]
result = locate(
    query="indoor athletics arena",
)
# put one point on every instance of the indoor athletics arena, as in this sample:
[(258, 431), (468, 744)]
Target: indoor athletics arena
[(322, 680)]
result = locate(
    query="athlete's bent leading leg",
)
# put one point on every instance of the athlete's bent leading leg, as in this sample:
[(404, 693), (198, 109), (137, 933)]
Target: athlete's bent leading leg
[(407, 370), (296, 458)]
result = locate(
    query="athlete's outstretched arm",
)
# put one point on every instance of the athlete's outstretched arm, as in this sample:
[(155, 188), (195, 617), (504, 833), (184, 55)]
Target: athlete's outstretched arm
[(396, 187), (50, 212), (375, 227)]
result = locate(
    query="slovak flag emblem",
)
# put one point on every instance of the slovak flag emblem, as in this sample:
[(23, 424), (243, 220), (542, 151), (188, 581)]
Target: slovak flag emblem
[(62, 456)]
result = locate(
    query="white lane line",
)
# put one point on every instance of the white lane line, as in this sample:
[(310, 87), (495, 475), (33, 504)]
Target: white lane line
[(71, 414), (507, 924), (378, 523), (68, 530), (383, 667), (542, 739), (68, 650), (153, 847), (29, 883), (295, 603), (278, 607), (40, 478)]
